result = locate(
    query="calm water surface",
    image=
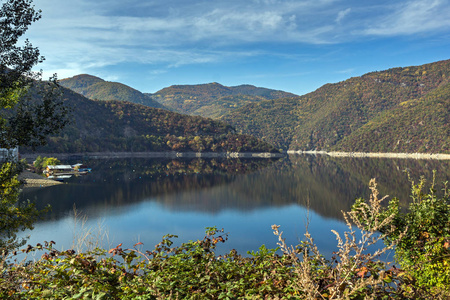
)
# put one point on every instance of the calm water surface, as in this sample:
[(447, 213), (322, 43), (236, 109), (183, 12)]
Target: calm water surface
[(140, 200)]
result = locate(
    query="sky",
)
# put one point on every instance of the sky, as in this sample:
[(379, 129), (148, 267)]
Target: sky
[(290, 45)]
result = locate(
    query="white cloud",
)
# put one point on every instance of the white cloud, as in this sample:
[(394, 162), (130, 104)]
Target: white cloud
[(110, 77), (275, 75), (81, 35), (341, 14), (346, 71), (412, 17), (158, 72), (234, 21)]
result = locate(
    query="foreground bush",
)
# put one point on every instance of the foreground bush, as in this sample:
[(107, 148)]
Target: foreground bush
[(422, 235), (194, 271)]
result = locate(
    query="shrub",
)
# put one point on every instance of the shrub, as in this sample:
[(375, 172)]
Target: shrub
[(193, 270), (42, 162), (422, 235)]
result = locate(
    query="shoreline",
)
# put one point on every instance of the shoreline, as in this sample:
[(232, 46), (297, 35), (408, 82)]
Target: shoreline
[(100, 155), (33, 180), (436, 156), (106, 155)]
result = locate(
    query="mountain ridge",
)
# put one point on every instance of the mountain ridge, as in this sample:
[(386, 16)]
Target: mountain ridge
[(403, 109), (95, 88), (121, 126), (326, 118), (213, 99)]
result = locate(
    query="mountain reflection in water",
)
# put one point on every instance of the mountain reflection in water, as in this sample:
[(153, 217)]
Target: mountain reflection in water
[(245, 196)]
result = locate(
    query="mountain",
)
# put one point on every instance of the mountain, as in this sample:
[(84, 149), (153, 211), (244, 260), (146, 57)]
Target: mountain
[(422, 123), (80, 83), (397, 110), (118, 126), (96, 88), (213, 99)]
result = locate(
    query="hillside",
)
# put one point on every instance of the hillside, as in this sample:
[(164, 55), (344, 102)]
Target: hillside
[(397, 110), (213, 99), (123, 126), (80, 83), (98, 89), (414, 126)]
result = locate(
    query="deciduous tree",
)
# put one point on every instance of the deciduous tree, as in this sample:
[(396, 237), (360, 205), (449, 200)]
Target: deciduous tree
[(29, 108), (29, 111)]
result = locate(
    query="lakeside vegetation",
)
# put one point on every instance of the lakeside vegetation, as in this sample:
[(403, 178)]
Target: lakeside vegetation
[(194, 271)]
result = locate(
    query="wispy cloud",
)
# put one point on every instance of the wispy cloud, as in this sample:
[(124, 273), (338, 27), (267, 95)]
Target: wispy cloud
[(84, 35), (411, 17), (277, 75), (346, 71), (341, 14), (234, 21)]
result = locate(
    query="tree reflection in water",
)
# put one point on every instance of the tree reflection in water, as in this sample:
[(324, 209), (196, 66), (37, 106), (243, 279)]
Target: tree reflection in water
[(202, 192)]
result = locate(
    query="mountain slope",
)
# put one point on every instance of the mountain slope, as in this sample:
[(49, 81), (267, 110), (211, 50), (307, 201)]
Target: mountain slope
[(117, 126), (96, 88), (334, 112), (80, 82), (213, 99), (414, 126)]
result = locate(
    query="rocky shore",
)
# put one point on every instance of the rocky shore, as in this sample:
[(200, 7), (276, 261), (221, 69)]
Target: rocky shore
[(375, 154), (32, 156), (33, 180)]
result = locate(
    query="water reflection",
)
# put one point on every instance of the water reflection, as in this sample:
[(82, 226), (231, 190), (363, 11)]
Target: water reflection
[(116, 183), (143, 199)]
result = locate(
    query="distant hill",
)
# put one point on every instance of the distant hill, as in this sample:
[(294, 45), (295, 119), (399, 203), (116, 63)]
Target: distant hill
[(80, 83), (419, 125), (116, 126), (213, 99), (98, 89), (397, 110)]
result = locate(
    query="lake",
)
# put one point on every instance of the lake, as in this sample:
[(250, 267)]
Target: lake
[(141, 200)]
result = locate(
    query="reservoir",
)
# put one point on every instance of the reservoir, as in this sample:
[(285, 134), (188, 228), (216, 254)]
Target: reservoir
[(141, 200)]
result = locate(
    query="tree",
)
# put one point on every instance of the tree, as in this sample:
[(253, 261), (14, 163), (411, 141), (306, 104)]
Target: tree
[(15, 61), (29, 108), (14, 216), (29, 111), (42, 162)]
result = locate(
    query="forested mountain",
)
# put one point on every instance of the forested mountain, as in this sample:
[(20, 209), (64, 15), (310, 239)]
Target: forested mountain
[(116, 126), (423, 123), (213, 99), (397, 110), (98, 89)]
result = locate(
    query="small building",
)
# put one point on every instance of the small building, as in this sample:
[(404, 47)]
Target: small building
[(9, 154), (59, 169)]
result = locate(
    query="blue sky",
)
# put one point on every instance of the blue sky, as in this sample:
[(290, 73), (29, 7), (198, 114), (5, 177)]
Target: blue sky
[(291, 45)]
